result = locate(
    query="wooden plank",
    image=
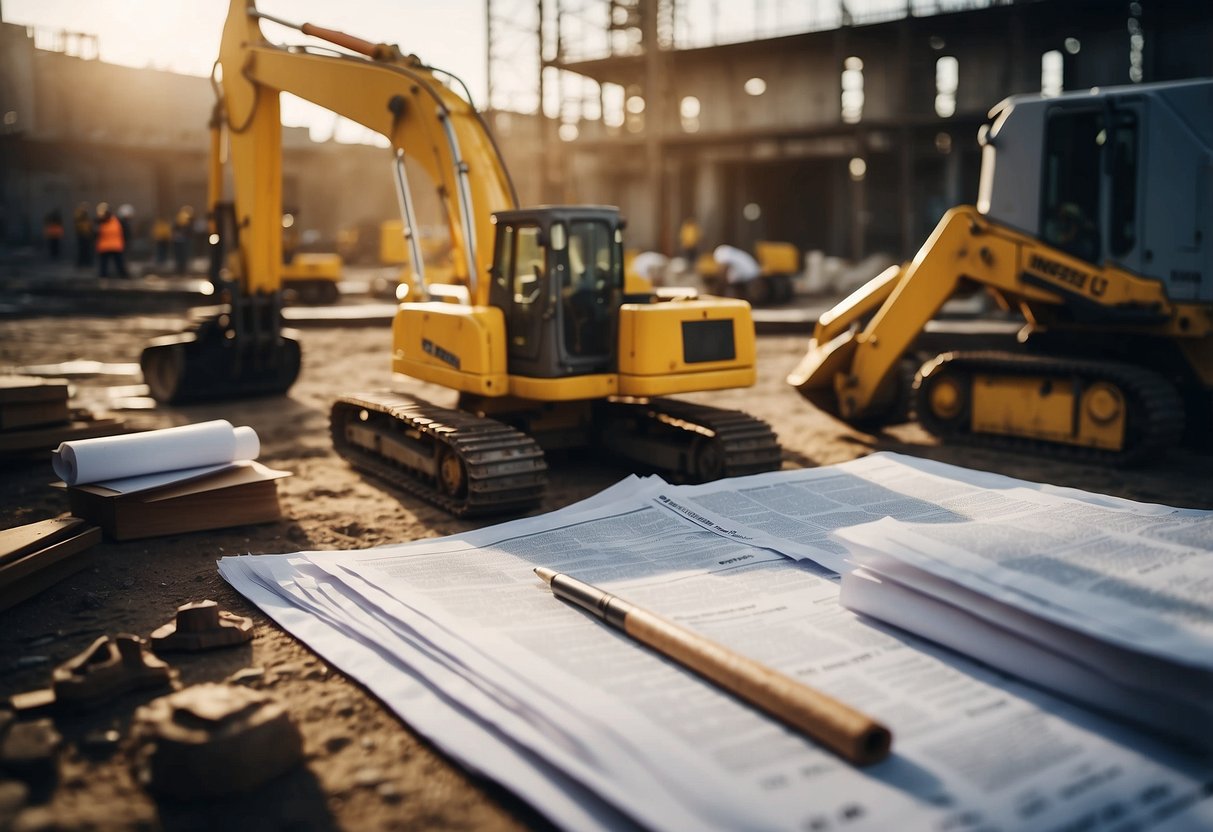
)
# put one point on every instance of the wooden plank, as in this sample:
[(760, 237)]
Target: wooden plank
[(19, 541), (44, 568), (48, 438), (15, 389)]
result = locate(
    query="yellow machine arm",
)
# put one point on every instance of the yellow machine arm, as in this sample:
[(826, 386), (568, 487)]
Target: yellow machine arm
[(380, 88), (849, 369)]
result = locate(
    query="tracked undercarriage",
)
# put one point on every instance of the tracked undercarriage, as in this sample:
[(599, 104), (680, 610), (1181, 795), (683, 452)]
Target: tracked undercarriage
[(686, 442), (1083, 410), (471, 464), (463, 463)]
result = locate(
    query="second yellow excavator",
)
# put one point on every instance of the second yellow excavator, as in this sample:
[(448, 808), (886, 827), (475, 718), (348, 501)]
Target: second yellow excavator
[(1094, 230), (537, 331)]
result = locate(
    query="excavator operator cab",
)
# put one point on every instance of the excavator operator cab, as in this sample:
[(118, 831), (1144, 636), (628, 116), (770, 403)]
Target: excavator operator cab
[(1083, 171), (557, 276)]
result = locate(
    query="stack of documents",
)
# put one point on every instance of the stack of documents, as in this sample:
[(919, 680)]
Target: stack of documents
[(1109, 605), (468, 646), (169, 481)]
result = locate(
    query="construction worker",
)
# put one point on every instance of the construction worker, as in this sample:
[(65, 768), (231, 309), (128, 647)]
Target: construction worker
[(688, 240), (651, 266), (111, 241), (83, 222), (52, 233), (162, 235), (183, 227), (736, 266)]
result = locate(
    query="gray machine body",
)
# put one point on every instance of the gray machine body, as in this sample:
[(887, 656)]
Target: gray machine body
[(1118, 176)]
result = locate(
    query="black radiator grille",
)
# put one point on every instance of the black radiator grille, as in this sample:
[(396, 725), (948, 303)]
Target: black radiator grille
[(707, 341)]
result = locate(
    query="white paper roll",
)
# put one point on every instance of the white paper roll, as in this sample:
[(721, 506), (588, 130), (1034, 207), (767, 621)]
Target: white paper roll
[(170, 449)]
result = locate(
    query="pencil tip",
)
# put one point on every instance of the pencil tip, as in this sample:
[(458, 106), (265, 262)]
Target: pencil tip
[(545, 574)]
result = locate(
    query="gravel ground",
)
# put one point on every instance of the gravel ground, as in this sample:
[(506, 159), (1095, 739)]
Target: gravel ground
[(364, 769)]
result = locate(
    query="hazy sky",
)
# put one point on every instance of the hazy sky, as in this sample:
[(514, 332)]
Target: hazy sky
[(183, 35)]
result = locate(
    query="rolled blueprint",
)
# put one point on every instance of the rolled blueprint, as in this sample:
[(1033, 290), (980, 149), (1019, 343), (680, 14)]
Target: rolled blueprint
[(189, 446)]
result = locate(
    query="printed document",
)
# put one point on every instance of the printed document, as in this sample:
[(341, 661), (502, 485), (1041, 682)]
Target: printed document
[(574, 707)]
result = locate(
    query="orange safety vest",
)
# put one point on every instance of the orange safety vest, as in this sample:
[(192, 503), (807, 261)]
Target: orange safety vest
[(109, 235)]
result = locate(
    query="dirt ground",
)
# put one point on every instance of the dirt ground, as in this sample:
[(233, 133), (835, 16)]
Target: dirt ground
[(364, 769)]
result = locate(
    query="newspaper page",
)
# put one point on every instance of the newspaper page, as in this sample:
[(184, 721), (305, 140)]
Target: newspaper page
[(463, 730), (971, 749), (1139, 581), (795, 512), (1119, 682)]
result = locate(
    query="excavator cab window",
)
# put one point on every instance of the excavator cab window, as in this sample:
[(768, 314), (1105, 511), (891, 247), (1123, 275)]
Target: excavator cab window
[(588, 289), (558, 278), (1072, 176), (1122, 225), (519, 279)]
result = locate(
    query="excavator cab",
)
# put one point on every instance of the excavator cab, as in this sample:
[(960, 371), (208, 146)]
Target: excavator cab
[(1122, 179), (557, 276)]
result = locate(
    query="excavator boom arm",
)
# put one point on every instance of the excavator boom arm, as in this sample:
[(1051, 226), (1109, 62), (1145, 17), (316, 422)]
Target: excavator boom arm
[(857, 344), (392, 94)]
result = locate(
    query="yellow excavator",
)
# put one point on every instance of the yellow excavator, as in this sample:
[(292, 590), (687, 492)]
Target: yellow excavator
[(308, 276), (536, 331), (1094, 230)]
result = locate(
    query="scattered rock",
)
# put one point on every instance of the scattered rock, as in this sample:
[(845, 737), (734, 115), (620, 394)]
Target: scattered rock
[(109, 667), (28, 749), (247, 676), (389, 792), (13, 796), (202, 626), (368, 777), (214, 739)]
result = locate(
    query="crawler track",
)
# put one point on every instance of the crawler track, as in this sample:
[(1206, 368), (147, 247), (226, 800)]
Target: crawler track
[(1155, 413), (686, 441), (463, 463)]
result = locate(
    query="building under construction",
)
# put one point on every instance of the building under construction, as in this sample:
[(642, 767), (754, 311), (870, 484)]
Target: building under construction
[(851, 135), (843, 127)]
